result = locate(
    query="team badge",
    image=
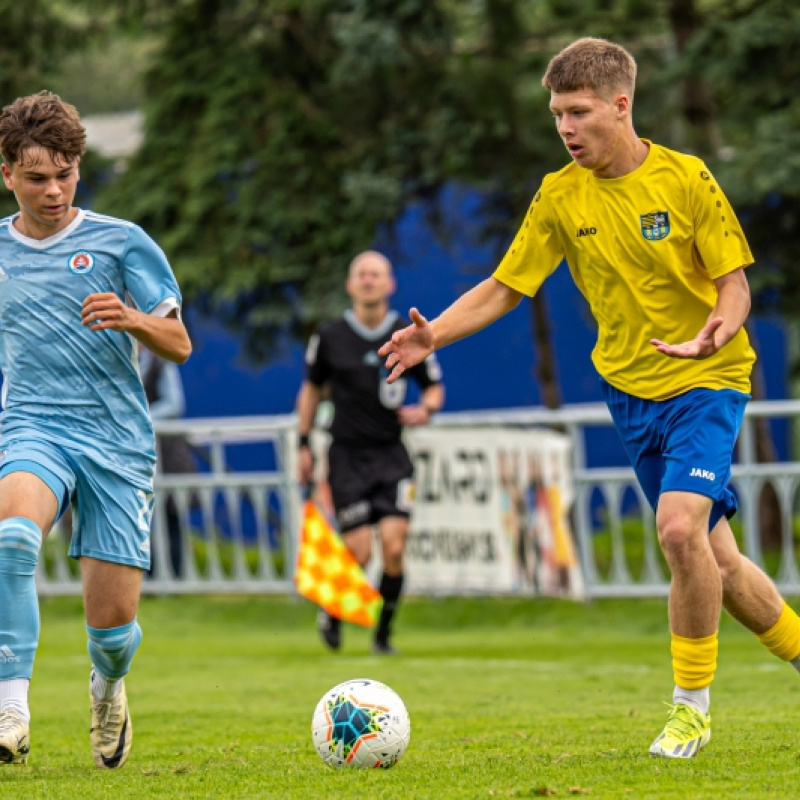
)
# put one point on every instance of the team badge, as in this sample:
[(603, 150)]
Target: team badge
[(655, 225), (81, 263)]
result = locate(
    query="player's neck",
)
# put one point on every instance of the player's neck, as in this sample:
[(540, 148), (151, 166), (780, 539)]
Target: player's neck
[(370, 316), (630, 155), (29, 226)]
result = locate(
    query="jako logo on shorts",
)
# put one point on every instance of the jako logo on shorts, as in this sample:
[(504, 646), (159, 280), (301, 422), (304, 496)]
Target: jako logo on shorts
[(81, 263), (701, 473)]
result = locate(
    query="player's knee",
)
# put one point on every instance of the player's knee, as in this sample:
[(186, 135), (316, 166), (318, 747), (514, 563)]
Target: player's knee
[(393, 558), (679, 535), (20, 541)]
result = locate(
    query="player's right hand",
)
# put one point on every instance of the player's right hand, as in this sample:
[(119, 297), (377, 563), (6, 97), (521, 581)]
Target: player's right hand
[(408, 346)]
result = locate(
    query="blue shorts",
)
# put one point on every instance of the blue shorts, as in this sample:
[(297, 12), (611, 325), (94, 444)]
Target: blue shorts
[(684, 444), (111, 513)]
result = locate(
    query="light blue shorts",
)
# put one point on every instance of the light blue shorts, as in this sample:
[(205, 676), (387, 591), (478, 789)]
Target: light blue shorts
[(111, 513), (684, 444)]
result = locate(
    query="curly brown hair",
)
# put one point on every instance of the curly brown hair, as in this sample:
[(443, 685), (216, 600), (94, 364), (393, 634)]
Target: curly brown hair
[(596, 64), (41, 120)]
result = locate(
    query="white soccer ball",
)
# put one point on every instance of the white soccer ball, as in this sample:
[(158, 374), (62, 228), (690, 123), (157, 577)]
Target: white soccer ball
[(361, 723)]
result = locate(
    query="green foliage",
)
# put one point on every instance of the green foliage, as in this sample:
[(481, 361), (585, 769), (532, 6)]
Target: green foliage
[(36, 36), (747, 50), (280, 136), (115, 64), (508, 698)]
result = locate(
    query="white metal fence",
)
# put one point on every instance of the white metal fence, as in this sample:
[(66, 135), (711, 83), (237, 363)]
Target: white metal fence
[(238, 529)]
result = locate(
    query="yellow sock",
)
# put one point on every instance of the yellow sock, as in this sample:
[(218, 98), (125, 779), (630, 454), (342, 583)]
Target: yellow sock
[(694, 661), (783, 638)]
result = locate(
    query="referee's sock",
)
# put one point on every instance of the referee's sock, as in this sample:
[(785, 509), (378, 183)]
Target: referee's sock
[(390, 588)]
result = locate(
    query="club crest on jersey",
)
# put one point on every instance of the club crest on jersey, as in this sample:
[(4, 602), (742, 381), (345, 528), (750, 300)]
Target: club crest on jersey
[(655, 225), (81, 263)]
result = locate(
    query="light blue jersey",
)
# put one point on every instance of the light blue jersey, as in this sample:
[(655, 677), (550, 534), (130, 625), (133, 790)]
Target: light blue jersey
[(64, 383)]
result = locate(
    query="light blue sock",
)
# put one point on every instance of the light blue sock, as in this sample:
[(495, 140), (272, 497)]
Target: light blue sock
[(20, 541), (112, 649)]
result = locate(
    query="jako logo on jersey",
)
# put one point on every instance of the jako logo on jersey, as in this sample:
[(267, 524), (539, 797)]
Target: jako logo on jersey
[(586, 232), (655, 225), (81, 263), (702, 473)]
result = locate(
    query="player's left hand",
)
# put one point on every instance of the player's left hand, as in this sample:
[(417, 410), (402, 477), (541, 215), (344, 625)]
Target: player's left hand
[(413, 415), (105, 310), (702, 346)]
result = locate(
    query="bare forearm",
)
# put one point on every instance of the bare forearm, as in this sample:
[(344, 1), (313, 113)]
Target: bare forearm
[(473, 311), (733, 305), (307, 403), (164, 336), (433, 398)]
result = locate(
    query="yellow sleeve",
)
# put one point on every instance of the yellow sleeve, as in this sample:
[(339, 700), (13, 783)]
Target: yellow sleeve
[(719, 237), (536, 250)]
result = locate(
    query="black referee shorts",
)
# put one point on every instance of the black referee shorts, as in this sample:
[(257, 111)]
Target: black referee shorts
[(370, 483)]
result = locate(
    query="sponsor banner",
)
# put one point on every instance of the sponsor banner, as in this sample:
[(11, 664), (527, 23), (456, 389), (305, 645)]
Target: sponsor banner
[(491, 512)]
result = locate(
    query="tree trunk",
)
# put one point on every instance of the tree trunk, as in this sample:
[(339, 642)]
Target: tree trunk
[(697, 105), (545, 368)]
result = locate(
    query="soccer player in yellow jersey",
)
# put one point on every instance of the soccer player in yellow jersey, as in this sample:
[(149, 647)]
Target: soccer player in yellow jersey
[(655, 247)]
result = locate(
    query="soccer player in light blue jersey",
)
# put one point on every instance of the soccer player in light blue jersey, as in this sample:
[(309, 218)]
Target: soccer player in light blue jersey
[(77, 290)]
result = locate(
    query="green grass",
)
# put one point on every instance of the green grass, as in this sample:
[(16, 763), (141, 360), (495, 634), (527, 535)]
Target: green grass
[(508, 699)]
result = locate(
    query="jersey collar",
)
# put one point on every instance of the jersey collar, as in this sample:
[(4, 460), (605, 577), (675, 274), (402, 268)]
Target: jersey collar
[(43, 244), (370, 334)]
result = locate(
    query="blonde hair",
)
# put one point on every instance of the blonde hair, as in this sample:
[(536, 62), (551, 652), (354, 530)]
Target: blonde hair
[(596, 64)]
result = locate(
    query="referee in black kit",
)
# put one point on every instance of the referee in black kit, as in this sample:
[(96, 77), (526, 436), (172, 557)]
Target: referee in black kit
[(369, 470)]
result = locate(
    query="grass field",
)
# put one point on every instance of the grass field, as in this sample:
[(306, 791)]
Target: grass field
[(508, 699)]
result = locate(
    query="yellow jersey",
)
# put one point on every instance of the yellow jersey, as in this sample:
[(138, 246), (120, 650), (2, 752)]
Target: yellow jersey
[(644, 250)]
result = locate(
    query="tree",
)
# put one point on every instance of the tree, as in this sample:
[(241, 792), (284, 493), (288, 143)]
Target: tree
[(280, 136), (747, 51)]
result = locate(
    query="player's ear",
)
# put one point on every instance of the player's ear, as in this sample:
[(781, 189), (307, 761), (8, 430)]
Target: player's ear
[(7, 176)]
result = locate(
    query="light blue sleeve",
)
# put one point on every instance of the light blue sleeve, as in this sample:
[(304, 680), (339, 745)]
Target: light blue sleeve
[(146, 272)]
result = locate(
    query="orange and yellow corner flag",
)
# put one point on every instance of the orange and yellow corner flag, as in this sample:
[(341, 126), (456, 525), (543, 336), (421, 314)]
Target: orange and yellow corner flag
[(328, 575)]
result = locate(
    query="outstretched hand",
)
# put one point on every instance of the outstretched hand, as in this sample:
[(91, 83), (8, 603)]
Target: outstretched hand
[(702, 346), (408, 346)]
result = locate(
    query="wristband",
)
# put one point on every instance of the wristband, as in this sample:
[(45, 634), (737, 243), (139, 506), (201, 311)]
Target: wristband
[(303, 441)]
